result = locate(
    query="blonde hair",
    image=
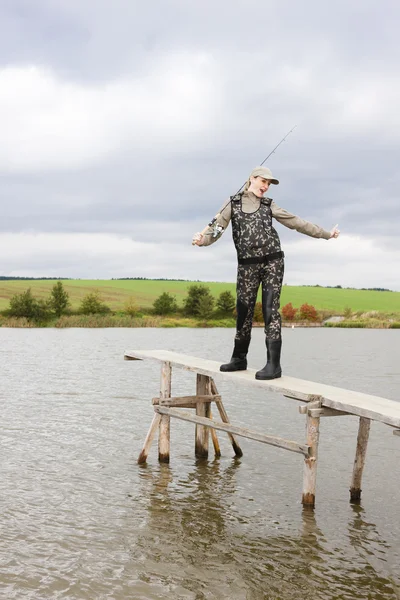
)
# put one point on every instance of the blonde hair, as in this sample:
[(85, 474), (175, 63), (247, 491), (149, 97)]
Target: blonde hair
[(247, 185)]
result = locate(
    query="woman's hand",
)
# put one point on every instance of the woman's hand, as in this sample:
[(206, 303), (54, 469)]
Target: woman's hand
[(335, 232), (198, 239)]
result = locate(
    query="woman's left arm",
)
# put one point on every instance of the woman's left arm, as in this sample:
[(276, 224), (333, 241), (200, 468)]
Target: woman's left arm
[(294, 222)]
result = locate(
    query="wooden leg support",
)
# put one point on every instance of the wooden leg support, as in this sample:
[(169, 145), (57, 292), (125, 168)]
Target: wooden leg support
[(224, 418), (164, 432), (310, 463), (214, 437), (149, 439), (203, 387), (359, 461)]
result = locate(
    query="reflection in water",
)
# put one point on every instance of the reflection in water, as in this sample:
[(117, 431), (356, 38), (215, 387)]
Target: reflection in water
[(195, 544)]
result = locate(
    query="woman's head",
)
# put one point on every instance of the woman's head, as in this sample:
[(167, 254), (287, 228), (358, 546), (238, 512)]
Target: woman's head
[(259, 181)]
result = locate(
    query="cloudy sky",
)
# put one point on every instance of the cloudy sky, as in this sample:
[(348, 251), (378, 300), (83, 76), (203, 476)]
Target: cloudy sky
[(125, 125)]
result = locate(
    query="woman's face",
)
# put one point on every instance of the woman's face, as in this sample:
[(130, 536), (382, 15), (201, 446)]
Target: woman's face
[(259, 186)]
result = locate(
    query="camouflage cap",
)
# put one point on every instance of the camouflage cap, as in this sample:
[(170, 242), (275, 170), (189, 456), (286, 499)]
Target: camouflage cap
[(265, 173)]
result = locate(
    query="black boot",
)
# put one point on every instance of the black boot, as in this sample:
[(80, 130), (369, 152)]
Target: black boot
[(238, 361), (272, 369)]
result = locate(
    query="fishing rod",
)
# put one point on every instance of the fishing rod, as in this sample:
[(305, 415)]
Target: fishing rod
[(217, 229)]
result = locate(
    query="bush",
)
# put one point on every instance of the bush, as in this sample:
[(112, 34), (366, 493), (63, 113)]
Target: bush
[(205, 307), (165, 304), (192, 302), (130, 307), (258, 313), (92, 304), (59, 299), (288, 312), (308, 312), (25, 305), (226, 303), (347, 313)]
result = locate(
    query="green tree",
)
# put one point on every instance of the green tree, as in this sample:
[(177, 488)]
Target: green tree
[(226, 303), (165, 304), (205, 307), (25, 305), (93, 304), (59, 299), (195, 293)]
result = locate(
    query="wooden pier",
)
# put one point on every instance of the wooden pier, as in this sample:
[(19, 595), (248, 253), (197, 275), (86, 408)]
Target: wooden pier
[(320, 401)]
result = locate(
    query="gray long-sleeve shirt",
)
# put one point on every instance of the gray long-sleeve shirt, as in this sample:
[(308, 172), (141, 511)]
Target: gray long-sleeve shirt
[(251, 203)]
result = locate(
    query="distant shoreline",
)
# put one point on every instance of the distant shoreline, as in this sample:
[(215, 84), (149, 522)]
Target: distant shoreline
[(118, 321)]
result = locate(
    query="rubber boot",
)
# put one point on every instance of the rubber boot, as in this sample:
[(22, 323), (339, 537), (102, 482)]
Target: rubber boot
[(272, 369), (238, 361)]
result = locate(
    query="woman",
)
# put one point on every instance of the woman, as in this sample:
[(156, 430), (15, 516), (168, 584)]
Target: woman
[(260, 261)]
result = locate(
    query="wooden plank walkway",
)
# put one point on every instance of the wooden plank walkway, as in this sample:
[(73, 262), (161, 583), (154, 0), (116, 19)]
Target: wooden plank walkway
[(348, 401), (320, 401)]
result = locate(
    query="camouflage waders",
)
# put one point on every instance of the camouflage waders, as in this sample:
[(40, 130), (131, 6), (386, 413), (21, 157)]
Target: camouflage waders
[(261, 262)]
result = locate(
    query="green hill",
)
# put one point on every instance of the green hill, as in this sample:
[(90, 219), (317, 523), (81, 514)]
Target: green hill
[(116, 292)]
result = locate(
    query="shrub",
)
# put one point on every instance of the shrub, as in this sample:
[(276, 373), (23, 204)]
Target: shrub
[(192, 302), (308, 312), (92, 304), (347, 313), (258, 313), (226, 303), (130, 307), (205, 307), (59, 299), (165, 304), (25, 305), (288, 312)]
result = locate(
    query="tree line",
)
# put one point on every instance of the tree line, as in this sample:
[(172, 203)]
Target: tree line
[(199, 303)]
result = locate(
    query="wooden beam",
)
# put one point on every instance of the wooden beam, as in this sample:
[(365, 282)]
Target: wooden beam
[(326, 412), (241, 431), (304, 410), (359, 461), (186, 400), (164, 432), (224, 418), (396, 432)]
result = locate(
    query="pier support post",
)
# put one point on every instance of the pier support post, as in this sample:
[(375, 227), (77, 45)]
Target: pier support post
[(203, 388), (359, 461), (164, 429), (310, 463)]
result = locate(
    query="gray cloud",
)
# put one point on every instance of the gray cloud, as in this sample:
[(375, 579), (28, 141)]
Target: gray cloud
[(139, 120)]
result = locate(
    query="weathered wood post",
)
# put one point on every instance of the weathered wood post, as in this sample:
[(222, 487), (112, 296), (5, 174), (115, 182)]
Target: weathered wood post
[(164, 430), (310, 463), (224, 418), (149, 439), (203, 388), (214, 437), (359, 461)]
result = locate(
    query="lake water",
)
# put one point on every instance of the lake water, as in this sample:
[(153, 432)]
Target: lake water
[(81, 520)]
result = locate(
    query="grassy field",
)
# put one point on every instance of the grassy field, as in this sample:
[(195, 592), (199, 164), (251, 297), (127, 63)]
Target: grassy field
[(116, 293)]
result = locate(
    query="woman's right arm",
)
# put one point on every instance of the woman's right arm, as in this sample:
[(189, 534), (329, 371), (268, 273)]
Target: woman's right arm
[(209, 235)]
